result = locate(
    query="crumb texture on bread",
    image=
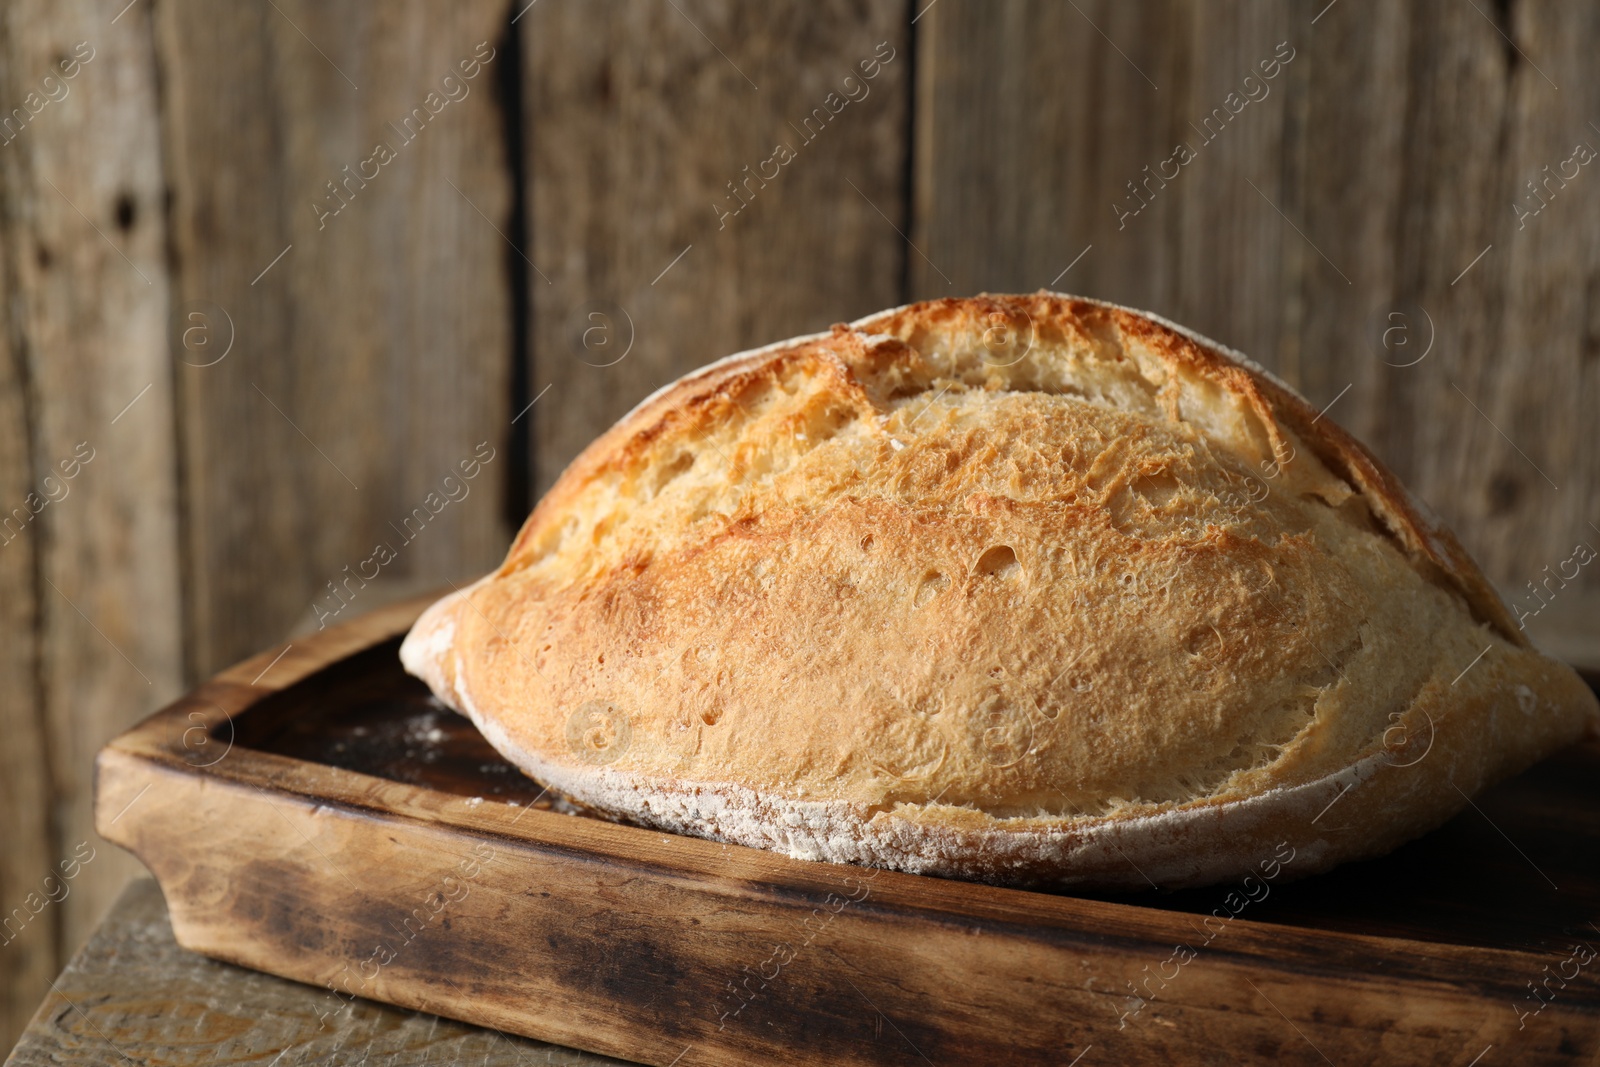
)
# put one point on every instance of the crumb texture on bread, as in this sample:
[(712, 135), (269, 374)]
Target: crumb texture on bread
[(1029, 589)]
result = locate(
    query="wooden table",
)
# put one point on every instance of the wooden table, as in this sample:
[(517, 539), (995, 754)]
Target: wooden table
[(133, 996)]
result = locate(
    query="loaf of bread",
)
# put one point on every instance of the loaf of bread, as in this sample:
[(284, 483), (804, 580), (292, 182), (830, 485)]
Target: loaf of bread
[(1032, 590)]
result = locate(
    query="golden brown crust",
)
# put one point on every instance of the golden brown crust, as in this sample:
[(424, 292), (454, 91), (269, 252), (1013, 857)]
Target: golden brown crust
[(986, 587), (1277, 404)]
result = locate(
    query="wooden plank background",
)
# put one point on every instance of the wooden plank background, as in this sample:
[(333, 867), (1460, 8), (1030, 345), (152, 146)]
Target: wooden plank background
[(270, 390), (92, 580)]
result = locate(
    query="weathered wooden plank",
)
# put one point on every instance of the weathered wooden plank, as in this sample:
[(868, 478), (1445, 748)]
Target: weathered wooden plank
[(26, 963), (366, 291), (1404, 220), (1121, 133), (1354, 72), (1237, 202), (1479, 396), (653, 133), (1031, 127), (1538, 380), (90, 422), (142, 996)]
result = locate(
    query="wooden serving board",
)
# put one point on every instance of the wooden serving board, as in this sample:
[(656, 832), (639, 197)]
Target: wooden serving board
[(314, 814)]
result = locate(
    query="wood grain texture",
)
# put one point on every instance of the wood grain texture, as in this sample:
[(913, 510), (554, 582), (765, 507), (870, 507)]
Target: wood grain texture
[(133, 992), (641, 119), (1029, 124), (374, 356), (1539, 380), (1326, 231), (1043, 130), (25, 787), (437, 888), (91, 577)]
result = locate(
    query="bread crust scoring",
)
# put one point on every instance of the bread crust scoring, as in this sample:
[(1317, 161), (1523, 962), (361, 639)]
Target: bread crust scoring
[(1025, 589)]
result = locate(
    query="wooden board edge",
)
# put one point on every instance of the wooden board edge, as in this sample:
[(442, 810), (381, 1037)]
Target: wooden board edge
[(235, 918), (700, 865), (123, 775)]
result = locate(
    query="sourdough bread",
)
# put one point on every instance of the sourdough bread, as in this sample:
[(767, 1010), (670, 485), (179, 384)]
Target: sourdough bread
[(1031, 590)]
